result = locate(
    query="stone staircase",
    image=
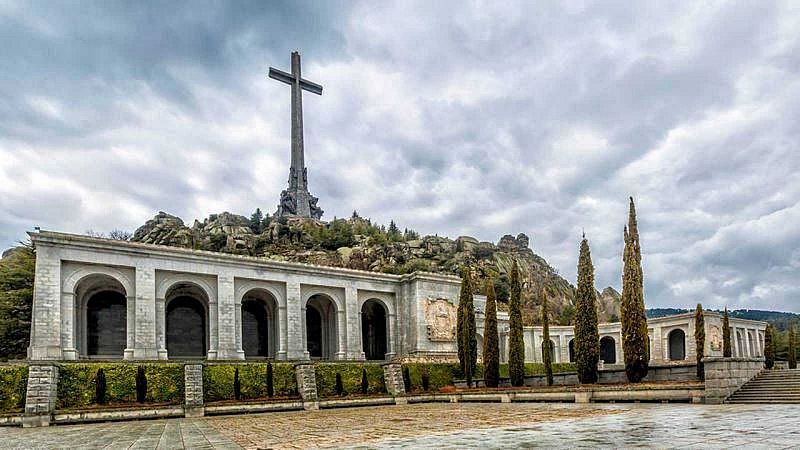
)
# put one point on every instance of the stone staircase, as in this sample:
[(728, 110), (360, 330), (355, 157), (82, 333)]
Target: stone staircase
[(770, 386)]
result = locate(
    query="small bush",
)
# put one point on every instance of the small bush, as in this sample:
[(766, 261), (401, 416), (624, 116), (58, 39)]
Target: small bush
[(141, 385), (254, 381), (13, 384), (364, 382), (237, 385), (270, 381), (406, 379), (100, 387), (339, 388), (426, 380)]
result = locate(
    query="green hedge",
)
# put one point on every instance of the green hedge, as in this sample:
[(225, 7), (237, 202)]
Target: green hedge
[(13, 383), (351, 378), (538, 369), (76, 383), (218, 381)]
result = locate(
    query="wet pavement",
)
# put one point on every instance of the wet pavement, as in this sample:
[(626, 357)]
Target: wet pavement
[(492, 425)]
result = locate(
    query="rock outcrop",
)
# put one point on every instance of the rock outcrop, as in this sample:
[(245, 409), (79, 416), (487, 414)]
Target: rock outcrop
[(358, 244)]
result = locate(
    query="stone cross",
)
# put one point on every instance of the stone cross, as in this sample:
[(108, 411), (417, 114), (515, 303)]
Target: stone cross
[(297, 171)]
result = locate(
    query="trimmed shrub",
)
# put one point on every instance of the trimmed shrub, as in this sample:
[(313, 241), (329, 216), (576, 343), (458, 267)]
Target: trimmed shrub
[(700, 340), (726, 335), (78, 384), (237, 385), (141, 385), (769, 347), (635, 346), (532, 369), (219, 381), (13, 384), (100, 387), (351, 376), (338, 387), (364, 382), (426, 380), (406, 379)]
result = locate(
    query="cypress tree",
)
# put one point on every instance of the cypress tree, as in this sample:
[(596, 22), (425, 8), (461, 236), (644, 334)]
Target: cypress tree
[(516, 351), (364, 382), (237, 385), (792, 349), (547, 355), (338, 387), (491, 341), (700, 340), (769, 347), (465, 334), (141, 385), (100, 387), (632, 312), (587, 336), (726, 335), (270, 381)]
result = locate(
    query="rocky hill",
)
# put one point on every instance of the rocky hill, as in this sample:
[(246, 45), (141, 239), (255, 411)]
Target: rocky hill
[(357, 243)]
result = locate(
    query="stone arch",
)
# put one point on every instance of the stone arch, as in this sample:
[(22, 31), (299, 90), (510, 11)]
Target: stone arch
[(79, 273), (259, 311), (187, 321), (321, 326), (101, 310), (677, 345), (571, 346), (608, 350), (374, 329)]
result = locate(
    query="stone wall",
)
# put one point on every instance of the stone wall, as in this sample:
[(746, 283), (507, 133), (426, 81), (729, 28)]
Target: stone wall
[(657, 372), (724, 376), (307, 385)]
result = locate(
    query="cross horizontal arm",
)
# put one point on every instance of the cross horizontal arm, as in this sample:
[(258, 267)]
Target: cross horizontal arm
[(288, 78)]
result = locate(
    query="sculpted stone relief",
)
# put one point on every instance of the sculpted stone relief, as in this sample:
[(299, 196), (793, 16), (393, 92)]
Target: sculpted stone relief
[(715, 338), (440, 315)]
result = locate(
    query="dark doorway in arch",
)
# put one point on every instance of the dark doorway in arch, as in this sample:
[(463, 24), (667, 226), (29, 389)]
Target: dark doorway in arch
[(552, 351), (677, 345), (255, 329), (572, 350), (106, 324), (321, 337), (608, 350), (186, 328), (373, 330)]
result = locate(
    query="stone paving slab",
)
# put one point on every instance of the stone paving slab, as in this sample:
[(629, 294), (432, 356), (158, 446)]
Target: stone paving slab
[(443, 426)]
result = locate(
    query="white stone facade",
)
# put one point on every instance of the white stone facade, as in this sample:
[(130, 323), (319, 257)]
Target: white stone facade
[(99, 298)]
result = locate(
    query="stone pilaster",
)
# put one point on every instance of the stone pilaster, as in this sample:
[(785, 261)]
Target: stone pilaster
[(295, 319), (307, 385), (46, 318), (393, 377), (193, 390), (226, 320), (40, 397), (144, 332)]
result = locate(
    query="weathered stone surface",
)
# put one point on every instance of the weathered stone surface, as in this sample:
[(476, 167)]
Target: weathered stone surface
[(193, 390), (40, 398), (307, 385)]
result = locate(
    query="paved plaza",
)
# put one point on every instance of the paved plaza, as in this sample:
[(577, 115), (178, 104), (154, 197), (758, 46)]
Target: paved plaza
[(445, 426)]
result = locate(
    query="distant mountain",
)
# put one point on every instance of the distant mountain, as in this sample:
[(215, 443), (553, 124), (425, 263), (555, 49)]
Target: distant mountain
[(780, 320)]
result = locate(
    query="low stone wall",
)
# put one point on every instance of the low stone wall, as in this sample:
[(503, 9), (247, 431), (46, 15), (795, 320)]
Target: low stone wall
[(724, 376), (40, 399)]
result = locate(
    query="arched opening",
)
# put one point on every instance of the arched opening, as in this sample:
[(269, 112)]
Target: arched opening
[(321, 335), (186, 322), (677, 345), (740, 344), (259, 333), (102, 317), (373, 330), (572, 350), (608, 350)]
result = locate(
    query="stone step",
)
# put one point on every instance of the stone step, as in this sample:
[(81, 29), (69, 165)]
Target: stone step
[(764, 395), (766, 401)]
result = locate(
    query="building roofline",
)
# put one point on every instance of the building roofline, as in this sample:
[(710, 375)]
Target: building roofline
[(138, 248)]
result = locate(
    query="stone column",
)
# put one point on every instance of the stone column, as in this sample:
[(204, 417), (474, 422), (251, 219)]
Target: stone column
[(238, 329), (307, 385), (282, 337), (161, 328), (193, 390), (144, 333), (130, 327), (40, 398), (735, 338), (213, 328), (296, 347), (747, 343), (391, 339), (341, 335), (69, 326), (226, 320), (45, 341)]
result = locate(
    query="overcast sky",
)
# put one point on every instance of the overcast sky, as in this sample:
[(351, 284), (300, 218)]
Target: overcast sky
[(463, 118)]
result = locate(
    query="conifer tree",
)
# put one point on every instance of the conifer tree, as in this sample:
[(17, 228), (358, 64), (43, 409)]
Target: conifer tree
[(547, 351), (634, 321), (726, 335), (700, 340), (587, 336), (465, 333), (792, 348), (769, 347), (491, 341), (516, 351), (257, 221)]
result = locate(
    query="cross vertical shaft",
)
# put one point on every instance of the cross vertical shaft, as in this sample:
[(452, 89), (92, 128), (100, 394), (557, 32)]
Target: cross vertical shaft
[(297, 179)]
